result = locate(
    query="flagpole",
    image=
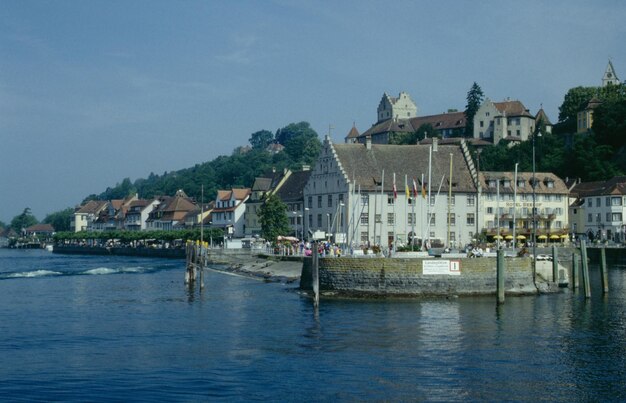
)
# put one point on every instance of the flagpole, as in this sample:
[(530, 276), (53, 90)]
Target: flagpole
[(408, 195), (430, 174), (422, 213), (395, 194), (382, 207)]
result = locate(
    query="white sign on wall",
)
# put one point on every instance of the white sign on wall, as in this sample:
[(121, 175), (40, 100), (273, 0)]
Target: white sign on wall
[(442, 266)]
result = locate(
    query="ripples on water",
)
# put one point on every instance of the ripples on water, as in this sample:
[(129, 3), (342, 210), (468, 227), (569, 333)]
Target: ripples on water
[(113, 328)]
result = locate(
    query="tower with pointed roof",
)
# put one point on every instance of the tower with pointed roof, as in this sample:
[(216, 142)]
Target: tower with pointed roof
[(609, 76)]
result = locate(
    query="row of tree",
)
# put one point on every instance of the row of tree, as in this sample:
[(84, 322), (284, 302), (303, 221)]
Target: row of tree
[(129, 237)]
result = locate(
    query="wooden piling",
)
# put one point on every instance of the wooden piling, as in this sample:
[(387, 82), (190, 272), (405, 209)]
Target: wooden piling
[(575, 272), (555, 265), (315, 274), (604, 271), (500, 276), (585, 269)]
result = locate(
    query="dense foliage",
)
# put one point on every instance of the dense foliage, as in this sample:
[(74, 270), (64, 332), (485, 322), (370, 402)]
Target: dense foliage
[(127, 237), (23, 220), (273, 218)]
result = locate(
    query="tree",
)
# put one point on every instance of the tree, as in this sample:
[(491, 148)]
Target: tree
[(273, 217), (261, 139), (609, 123), (2, 225), (292, 130), (474, 100), (24, 220), (60, 220)]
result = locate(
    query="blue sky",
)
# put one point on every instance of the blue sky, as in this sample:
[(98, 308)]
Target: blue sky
[(92, 92)]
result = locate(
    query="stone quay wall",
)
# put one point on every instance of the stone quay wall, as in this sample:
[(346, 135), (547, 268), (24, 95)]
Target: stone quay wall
[(405, 277)]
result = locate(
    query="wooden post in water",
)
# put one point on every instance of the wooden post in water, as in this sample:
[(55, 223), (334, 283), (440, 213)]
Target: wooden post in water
[(500, 276), (585, 269), (555, 265), (315, 275), (604, 271), (575, 273)]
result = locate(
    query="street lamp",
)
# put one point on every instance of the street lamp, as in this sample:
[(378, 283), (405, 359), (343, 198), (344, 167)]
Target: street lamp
[(534, 184), (306, 216)]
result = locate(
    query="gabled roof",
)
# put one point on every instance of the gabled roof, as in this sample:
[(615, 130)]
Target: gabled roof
[(40, 228), (512, 108), (366, 166), (614, 186), (92, 207), (292, 189), (389, 125), (542, 178), (450, 120), (237, 194)]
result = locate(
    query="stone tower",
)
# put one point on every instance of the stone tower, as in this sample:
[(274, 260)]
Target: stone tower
[(401, 107)]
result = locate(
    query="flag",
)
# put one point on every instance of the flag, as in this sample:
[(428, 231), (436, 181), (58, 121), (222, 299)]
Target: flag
[(414, 189), (423, 190), (406, 188), (395, 190)]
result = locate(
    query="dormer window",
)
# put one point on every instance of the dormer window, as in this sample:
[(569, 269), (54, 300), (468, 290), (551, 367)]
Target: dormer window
[(491, 183), (506, 183), (550, 184)]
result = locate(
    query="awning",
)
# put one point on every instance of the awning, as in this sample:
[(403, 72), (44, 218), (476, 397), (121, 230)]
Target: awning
[(508, 237), (497, 237), (554, 237), (542, 237), (520, 237)]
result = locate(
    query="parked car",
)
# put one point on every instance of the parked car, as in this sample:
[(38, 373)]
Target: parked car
[(544, 257)]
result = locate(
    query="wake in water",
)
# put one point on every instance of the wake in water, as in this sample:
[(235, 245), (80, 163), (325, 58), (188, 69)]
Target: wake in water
[(97, 271)]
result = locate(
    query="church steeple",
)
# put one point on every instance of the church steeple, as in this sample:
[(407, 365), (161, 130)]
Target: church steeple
[(609, 76)]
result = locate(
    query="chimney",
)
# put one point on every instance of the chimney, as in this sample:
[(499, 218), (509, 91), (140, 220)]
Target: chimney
[(368, 142), (435, 144)]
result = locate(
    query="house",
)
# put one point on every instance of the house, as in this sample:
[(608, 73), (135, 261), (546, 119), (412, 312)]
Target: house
[(261, 189), (229, 211), (292, 194), (170, 213), (6, 234), (507, 120), (396, 108), (350, 194), (505, 202), (201, 215), (599, 209), (584, 117), (85, 215), (137, 214), (42, 231)]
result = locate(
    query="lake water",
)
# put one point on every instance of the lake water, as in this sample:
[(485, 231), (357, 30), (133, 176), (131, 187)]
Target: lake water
[(77, 328)]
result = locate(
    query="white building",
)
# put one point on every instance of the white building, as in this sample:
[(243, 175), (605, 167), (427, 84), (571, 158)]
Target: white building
[(503, 204), (599, 210), (229, 211), (348, 197), (508, 120)]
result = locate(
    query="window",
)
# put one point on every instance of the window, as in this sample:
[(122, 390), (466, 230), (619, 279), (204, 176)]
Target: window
[(452, 219), (489, 210), (491, 197), (310, 220), (451, 200), (365, 219), (330, 200), (616, 217), (482, 124), (390, 218), (365, 200), (590, 202), (521, 183), (550, 184), (364, 237), (589, 218), (598, 217), (492, 183), (616, 201), (319, 201), (432, 200), (471, 200), (390, 199), (431, 219), (377, 218), (608, 217), (310, 201), (340, 198), (598, 202), (452, 237), (517, 132), (411, 219), (319, 221), (607, 201), (469, 219)]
